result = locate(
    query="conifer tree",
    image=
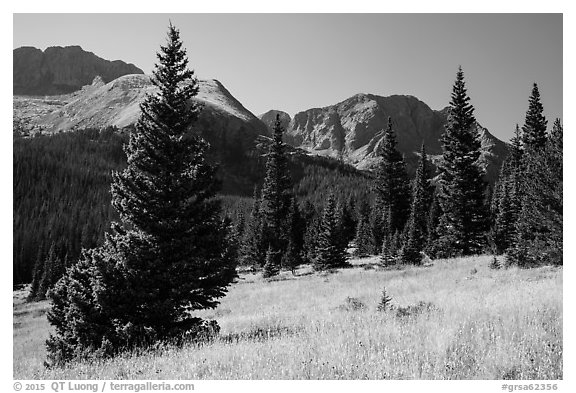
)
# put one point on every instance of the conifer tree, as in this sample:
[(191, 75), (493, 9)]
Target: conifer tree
[(507, 196), (364, 238), (252, 248), (348, 222), (276, 194), (397, 243), (391, 242), (233, 240), (389, 249), (432, 221), (272, 264), (296, 227), (380, 223), (240, 226), (515, 176), (417, 223), (392, 184), (515, 148), (534, 129), (556, 136), (539, 226), (463, 224), (503, 230), (37, 274), (293, 257), (51, 272), (330, 251), (311, 238), (169, 256)]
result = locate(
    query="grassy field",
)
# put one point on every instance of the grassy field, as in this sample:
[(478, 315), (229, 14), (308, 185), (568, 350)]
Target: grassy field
[(478, 324)]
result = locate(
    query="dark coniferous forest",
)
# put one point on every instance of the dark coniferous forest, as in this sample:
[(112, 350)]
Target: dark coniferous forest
[(62, 194), (62, 191)]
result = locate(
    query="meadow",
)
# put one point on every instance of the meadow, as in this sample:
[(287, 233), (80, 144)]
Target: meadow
[(457, 319)]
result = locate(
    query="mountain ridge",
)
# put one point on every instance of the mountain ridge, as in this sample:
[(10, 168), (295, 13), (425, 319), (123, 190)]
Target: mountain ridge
[(62, 69), (352, 129)]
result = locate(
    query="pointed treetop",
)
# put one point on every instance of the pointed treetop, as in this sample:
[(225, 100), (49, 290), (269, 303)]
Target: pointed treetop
[(556, 134), (172, 67), (534, 128), (461, 110), (516, 148), (389, 143)]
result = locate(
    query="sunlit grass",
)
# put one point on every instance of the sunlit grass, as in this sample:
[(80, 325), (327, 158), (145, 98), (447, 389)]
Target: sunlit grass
[(484, 324)]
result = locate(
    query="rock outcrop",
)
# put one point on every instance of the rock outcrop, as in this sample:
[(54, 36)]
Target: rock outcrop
[(352, 130)]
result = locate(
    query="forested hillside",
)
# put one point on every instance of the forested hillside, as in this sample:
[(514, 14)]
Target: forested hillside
[(61, 194), (62, 190)]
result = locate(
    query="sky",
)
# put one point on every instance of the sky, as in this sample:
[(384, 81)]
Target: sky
[(294, 62)]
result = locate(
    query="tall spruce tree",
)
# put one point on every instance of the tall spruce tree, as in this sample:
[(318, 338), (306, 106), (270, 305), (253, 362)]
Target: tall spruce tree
[(392, 185), (330, 252), (539, 226), (276, 195), (463, 224), (534, 129), (417, 223), (169, 256)]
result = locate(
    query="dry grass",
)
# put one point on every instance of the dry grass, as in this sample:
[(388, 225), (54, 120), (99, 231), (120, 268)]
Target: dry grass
[(484, 324)]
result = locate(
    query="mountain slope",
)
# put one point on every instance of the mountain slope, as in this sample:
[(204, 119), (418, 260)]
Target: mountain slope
[(230, 128), (118, 104), (62, 70), (353, 129)]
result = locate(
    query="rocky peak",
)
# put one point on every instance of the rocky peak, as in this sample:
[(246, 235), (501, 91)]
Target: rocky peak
[(353, 130)]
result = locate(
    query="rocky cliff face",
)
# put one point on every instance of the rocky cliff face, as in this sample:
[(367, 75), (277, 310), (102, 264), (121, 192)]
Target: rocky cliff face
[(61, 70), (352, 130)]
